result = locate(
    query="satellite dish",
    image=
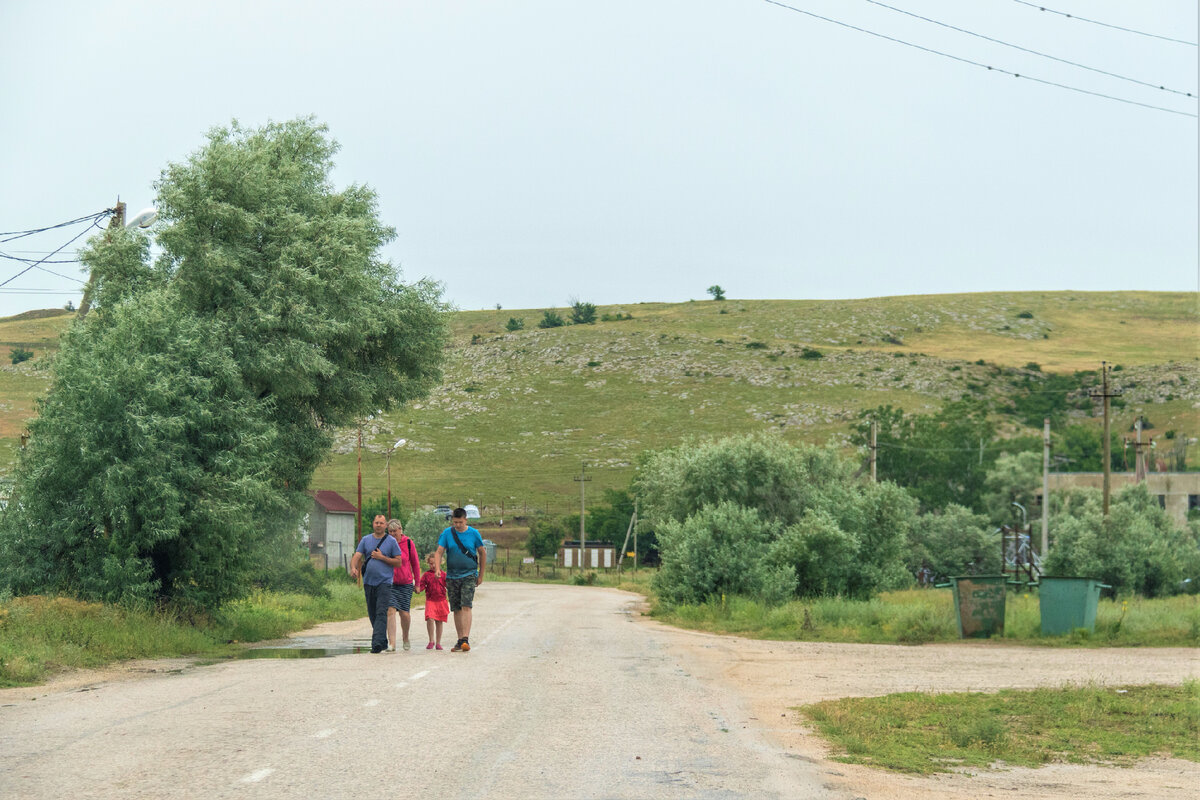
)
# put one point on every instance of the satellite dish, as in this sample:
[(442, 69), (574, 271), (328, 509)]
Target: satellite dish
[(144, 219)]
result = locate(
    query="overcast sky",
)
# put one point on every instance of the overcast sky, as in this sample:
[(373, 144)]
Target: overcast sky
[(642, 150)]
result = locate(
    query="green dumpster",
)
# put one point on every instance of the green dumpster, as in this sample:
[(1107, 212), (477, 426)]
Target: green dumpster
[(979, 605), (1068, 603)]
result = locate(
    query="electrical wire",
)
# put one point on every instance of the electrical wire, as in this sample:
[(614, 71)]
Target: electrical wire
[(979, 64), (95, 224), (21, 234), (1027, 50), (37, 260), (1105, 24)]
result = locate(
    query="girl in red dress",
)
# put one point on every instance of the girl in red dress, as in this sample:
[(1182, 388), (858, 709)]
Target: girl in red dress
[(437, 608)]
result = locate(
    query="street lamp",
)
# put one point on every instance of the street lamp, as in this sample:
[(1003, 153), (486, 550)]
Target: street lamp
[(399, 443)]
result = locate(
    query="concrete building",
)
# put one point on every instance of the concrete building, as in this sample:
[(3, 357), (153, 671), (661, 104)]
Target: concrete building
[(331, 531), (1178, 492)]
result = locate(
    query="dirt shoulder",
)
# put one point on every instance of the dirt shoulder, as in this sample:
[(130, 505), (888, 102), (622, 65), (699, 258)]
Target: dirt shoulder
[(776, 677)]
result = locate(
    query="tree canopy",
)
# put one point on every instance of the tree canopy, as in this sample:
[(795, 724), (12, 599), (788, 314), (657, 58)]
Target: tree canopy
[(188, 411)]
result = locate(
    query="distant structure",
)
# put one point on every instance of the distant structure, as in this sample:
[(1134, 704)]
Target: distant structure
[(331, 539), (1177, 492), (596, 555)]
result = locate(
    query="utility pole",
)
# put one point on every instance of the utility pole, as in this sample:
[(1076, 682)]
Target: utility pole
[(1139, 454), (1106, 395), (117, 222), (1045, 487), (359, 522), (583, 479), (874, 449)]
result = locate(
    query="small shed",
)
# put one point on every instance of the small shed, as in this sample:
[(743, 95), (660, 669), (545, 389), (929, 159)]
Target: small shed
[(331, 528), (596, 555)]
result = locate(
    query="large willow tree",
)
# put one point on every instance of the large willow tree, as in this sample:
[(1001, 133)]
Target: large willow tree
[(189, 409)]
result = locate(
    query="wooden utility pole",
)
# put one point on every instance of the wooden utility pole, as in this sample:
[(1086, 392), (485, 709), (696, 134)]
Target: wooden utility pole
[(1106, 395), (583, 479), (1045, 487), (874, 450), (117, 221), (359, 522)]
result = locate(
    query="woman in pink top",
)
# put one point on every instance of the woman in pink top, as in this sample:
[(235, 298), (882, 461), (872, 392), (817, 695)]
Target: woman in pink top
[(437, 607), (404, 579)]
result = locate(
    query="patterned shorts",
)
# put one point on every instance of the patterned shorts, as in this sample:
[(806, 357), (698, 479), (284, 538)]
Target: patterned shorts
[(460, 592)]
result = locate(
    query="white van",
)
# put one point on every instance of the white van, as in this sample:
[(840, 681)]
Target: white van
[(472, 511)]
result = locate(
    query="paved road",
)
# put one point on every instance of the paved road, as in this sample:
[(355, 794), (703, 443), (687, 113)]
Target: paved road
[(564, 695)]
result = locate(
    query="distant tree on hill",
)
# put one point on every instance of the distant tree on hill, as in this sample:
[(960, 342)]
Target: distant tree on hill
[(717, 292), (551, 319), (19, 354), (515, 324), (582, 313)]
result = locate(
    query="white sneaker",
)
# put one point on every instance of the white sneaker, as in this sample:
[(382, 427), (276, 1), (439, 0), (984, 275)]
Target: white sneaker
[(392, 649), (408, 645)]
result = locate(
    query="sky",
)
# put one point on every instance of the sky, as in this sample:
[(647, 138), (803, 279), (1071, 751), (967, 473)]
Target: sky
[(532, 153)]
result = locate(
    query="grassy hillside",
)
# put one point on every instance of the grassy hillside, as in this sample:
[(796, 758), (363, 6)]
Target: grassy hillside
[(520, 411)]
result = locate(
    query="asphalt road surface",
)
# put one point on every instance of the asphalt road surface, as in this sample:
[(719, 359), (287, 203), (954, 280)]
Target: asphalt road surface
[(564, 695)]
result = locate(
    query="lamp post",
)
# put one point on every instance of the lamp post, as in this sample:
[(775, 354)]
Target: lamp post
[(399, 443)]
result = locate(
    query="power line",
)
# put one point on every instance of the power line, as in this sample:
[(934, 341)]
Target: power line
[(21, 234), (1027, 50), (1105, 24), (38, 260), (95, 224), (977, 63)]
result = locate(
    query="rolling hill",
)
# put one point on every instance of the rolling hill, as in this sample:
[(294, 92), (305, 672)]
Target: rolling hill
[(520, 411)]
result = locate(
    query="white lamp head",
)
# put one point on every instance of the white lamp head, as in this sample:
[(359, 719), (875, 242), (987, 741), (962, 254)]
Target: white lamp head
[(143, 219)]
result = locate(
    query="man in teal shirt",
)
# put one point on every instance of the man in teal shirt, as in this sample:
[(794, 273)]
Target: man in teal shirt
[(466, 560)]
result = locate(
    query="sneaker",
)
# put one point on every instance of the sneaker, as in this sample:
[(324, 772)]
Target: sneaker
[(466, 646), (430, 646), (438, 647), (458, 646), (391, 648), (408, 645)]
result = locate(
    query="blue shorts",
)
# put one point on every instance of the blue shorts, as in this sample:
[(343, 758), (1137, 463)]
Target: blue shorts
[(401, 596)]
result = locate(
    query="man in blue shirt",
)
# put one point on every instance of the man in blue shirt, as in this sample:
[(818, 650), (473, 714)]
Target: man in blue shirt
[(381, 554), (466, 560)]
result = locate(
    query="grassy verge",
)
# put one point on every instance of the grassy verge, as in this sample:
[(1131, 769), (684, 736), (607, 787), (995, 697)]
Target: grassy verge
[(40, 635), (924, 733), (920, 616)]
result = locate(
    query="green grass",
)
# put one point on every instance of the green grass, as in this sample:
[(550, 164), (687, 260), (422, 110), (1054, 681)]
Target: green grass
[(928, 733), (535, 403), (41, 635), (920, 616)]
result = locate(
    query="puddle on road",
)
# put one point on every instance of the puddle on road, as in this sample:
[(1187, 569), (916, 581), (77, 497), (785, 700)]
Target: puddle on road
[(300, 652)]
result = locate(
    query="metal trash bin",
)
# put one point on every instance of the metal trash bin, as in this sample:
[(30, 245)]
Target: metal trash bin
[(979, 605), (1067, 603)]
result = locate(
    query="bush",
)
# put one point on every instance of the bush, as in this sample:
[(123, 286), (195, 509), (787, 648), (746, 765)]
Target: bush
[(19, 354), (955, 541), (545, 536), (1136, 549), (811, 353), (719, 550), (551, 319), (424, 528), (514, 324), (582, 313), (819, 524)]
